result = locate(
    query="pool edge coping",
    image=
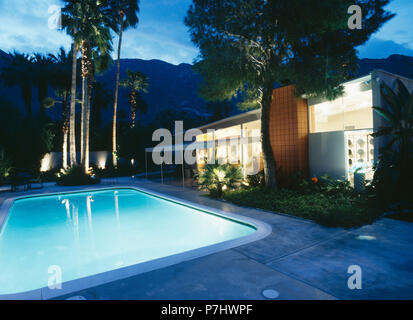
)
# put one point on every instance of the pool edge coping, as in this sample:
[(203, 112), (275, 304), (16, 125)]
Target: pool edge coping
[(262, 230)]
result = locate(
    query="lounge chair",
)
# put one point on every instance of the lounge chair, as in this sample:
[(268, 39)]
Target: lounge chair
[(34, 180), (18, 180)]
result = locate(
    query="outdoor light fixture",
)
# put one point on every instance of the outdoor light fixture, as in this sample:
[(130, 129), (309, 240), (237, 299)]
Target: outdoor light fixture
[(270, 294), (368, 238)]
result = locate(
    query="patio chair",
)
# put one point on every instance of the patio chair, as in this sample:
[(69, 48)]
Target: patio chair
[(34, 180), (4, 184), (17, 180)]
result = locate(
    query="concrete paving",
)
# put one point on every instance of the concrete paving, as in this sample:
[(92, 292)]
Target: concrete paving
[(300, 259), (224, 275), (382, 250)]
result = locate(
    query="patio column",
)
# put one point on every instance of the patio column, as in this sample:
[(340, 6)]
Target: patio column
[(244, 171)]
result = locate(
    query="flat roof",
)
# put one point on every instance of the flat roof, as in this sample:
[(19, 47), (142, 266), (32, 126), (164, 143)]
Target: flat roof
[(255, 114), (391, 74), (245, 117)]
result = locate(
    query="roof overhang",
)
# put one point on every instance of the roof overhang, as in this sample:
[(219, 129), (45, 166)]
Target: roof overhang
[(233, 121)]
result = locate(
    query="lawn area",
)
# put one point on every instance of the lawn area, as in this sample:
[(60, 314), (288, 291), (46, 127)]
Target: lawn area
[(337, 210)]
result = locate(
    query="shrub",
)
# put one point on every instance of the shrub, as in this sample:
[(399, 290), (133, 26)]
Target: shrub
[(217, 178), (323, 184), (256, 180), (331, 186), (333, 210), (5, 165), (119, 171), (49, 176), (393, 176), (75, 176)]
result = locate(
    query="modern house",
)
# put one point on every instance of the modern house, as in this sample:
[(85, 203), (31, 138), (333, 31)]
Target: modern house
[(315, 136)]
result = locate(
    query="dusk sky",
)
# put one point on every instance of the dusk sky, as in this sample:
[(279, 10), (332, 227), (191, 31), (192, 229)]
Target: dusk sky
[(162, 34)]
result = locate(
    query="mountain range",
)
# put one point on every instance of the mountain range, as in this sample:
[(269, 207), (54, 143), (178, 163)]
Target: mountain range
[(176, 86)]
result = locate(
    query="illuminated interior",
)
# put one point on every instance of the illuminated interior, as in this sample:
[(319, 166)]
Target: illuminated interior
[(230, 149), (353, 114), (252, 153), (353, 111), (204, 155)]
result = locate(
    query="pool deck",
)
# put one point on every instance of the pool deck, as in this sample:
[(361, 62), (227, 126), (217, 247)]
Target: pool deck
[(300, 259)]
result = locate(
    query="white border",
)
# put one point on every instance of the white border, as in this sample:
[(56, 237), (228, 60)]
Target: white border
[(262, 230)]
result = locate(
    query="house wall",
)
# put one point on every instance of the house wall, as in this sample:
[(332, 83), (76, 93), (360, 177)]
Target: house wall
[(289, 131), (328, 154)]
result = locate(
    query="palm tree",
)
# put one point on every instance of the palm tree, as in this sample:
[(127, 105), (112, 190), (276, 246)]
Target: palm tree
[(42, 66), (71, 23), (19, 72), (136, 82), (100, 62), (63, 86), (89, 28), (125, 15)]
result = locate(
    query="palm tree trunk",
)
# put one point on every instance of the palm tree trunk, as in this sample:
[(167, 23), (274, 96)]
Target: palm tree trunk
[(133, 108), (87, 71), (83, 123), (83, 120), (268, 156), (65, 130), (115, 106), (64, 150), (87, 129), (72, 121)]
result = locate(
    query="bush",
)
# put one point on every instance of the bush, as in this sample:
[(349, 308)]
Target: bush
[(50, 176), (324, 184), (333, 210), (217, 178), (392, 183), (256, 180), (75, 176), (5, 165), (119, 171)]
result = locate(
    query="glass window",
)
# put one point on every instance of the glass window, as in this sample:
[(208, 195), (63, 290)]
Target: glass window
[(251, 152), (353, 111)]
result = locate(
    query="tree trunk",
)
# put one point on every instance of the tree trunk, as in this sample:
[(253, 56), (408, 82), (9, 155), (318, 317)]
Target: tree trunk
[(87, 123), (72, 121), (115, 106), (133, 108), (83, 120), (85, 87), (84, 125), (268, 156), (65, 130), (89, 97)]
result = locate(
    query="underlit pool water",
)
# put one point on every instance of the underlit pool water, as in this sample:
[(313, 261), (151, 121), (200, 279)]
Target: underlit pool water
[(93, 232)]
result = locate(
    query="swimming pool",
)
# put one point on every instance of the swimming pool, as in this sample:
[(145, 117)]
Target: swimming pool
[(87, 236)]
